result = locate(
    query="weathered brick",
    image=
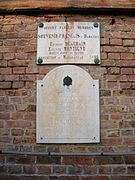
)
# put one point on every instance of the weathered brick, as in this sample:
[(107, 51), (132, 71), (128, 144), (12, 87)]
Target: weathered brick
[(127, 56), (17, 132), (5, 115), (116, 42), (122, 178), (6, 71), (75, 170), (94, 178), (128, 42), (24, 140), (16, 63), (113, 133), (59, 169), (104, 169), (126, 70), (74, 160), (116, 116), (18, 70), (131, 169), (119, 169), (8, 28), (44, 169), (48, 160), (114, 70), (5, 85), (18, 124), (20, 159), (63, 178), (29, 169), (125, 85), (90, 169), (9, 42), (17, 85), (14, 169)]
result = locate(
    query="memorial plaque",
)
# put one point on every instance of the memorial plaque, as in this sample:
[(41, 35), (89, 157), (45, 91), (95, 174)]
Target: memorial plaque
[(68, 43), (68, 107)]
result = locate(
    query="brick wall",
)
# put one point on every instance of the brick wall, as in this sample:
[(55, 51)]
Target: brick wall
[(18, 75)]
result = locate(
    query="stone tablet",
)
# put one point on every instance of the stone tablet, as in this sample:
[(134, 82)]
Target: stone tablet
[(68, 107), (68, 43)]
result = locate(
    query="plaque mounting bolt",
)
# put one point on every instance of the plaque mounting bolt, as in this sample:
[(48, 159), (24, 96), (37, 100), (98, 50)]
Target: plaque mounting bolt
[(40, 60), (96, 60), (67, 81), (41, 25), (96, 25)]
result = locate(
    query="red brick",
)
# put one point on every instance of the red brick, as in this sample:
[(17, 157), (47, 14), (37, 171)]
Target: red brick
[(94, 178), (59, 169), (1, 124), (126, 70), (113, 55), (18, 124), (17, 85), (104, 169), (15, 99), (21, 56), (9, 42), (17, 132), (44, 169), (29, 169), (76, 160), (17, 115), (112, 85), (116, 116), (8, 28), (24, 140), (4, 115), (90, 169), (122, 178), (20, 159), (63, 178), (128, 42), (121, 148), (5, 70), (75, 170), (116, 42), (12, 78), (129, 140), (127, 56), (127, 132), (104, 41), (18, 63), (3, 63), (30, 85), (119, 169), (18, 70), (5, 85), (32, 70), (131, 77), (48, 160), (30, 116), (114, 141), (5, 139), (125, 85), (14, 169)]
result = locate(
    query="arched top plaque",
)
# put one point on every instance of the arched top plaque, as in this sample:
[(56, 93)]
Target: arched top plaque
[(68, 107)]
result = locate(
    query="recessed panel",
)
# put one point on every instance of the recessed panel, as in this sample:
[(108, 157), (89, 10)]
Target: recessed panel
[(68, 42), (68, 107)]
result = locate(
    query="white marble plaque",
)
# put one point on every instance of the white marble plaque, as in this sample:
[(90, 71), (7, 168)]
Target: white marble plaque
[(68, 107), (68, 43)]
